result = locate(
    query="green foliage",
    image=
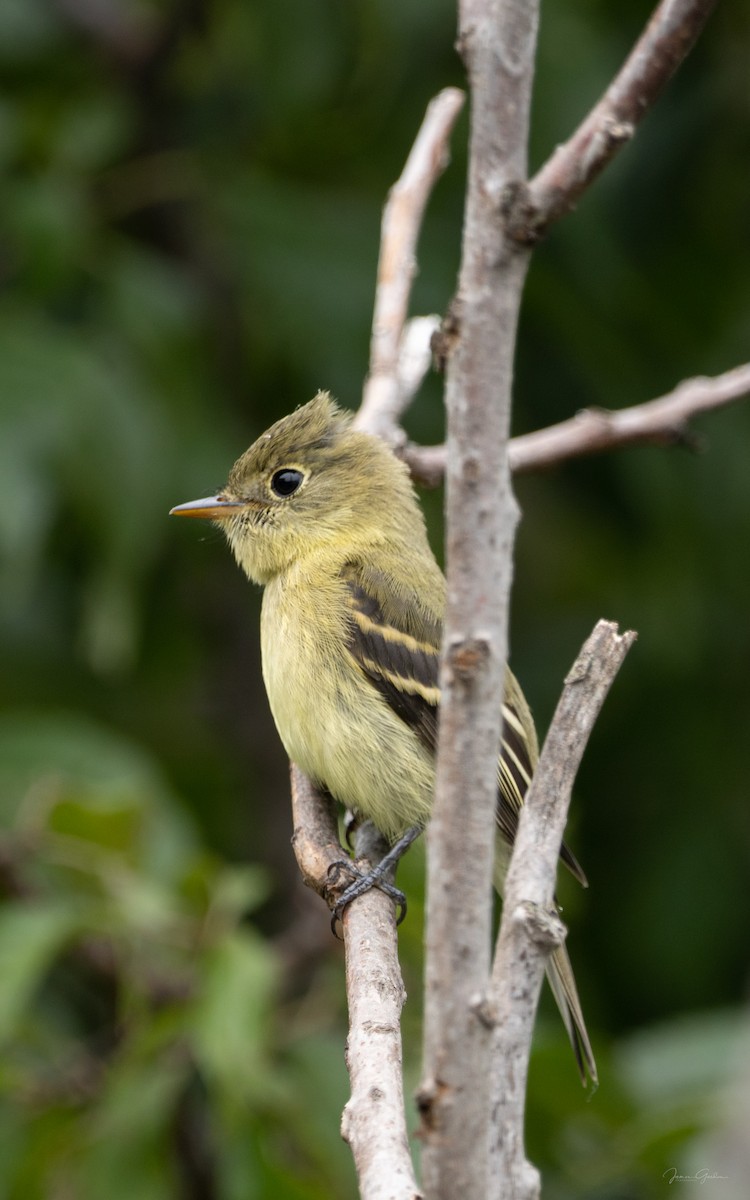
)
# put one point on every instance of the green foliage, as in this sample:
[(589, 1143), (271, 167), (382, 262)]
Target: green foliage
[(189, 220), (660, 1087), (139, 1008), (31, 936)]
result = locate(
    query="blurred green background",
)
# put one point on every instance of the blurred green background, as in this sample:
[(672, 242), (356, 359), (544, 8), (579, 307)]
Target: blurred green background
[(189, 222)]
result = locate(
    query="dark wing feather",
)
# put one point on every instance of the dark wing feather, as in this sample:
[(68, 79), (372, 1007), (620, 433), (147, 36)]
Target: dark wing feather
[(401, 665), (396, 642)]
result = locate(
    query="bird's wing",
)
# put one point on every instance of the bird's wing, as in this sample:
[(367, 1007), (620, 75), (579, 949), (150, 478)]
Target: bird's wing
[(396, 640)]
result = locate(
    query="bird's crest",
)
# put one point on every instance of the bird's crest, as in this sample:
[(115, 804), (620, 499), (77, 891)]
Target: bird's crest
[(317, 425)]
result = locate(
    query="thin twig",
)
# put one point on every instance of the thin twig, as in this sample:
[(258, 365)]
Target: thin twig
[(382, 401), (374, 1119), (661, 422), (315, 839), (415, 358), (669, 36), (530, 926)]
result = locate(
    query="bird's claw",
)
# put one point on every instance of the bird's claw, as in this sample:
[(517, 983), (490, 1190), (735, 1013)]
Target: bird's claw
[(359, 885)]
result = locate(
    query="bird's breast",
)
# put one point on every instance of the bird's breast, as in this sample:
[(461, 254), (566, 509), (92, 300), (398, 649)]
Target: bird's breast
[(333, 723)]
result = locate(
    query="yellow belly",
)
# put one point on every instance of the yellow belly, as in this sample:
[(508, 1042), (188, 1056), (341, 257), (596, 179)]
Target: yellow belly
[(332, 721)]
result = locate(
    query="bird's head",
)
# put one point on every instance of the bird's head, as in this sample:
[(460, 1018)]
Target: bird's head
[(308, 484)]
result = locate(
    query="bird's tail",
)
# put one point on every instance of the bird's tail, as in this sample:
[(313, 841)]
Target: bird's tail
[(563, 984), (561, 980)]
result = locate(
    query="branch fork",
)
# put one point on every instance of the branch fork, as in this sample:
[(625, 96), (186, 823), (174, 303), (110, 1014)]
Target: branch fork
[(474, 1147)]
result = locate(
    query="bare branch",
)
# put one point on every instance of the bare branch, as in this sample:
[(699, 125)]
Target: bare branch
[(669, 36), (374, 1120), (315, 839), (497, 38), (427, 463), (382, 402), (415, 357), (660, 422), (530, 927), (460, 1156)]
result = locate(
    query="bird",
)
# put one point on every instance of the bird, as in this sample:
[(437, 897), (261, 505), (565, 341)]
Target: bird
[(326, 519)]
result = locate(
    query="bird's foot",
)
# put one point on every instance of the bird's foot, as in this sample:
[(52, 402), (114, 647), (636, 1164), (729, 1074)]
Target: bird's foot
[(363, 882)]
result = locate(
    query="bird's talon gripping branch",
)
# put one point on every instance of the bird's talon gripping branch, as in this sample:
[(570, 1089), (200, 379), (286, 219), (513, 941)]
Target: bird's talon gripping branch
[(362, 884), (376, 877), (342, 867)]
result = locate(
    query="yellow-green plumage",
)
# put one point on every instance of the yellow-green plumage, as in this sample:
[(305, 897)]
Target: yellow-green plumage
[(326, 518)]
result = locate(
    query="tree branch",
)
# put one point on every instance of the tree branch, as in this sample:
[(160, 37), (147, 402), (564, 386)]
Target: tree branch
[(661, 422), (315, 838), (530, 927), (460, 1155), (665, 42), (374, 1120), (414, 361), (383, 401), (497, 39)]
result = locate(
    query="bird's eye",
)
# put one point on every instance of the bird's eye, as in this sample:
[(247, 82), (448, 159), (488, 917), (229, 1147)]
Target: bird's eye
[(286, 481)]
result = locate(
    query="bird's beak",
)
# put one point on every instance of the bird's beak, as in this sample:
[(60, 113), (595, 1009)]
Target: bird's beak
[(215, 508)]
